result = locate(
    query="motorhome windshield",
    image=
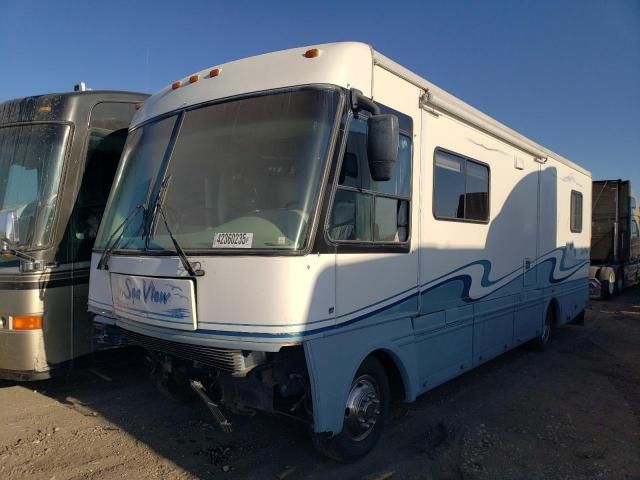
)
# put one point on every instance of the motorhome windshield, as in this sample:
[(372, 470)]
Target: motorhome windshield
[(241, 174), (31, 159)]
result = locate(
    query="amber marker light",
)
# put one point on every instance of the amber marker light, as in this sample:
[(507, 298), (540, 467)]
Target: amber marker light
[(311, 53), (176, 85), (215, 72), (194, 78), (26, 322), (45, 109)]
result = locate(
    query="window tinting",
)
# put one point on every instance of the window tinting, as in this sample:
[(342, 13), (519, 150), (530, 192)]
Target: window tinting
[(576, 211), (365, 210), (461, 188)]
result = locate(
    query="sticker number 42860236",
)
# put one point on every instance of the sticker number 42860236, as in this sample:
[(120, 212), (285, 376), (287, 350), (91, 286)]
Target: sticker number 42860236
[(232, 240)]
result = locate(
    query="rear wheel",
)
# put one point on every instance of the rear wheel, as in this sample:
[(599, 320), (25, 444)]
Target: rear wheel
[(365, 413), (542, 341)]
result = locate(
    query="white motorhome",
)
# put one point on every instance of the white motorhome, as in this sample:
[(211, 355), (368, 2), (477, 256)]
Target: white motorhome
[(318, 231)]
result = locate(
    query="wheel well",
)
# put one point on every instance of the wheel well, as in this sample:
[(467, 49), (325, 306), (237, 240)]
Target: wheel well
[(396, 384), (554, 307)]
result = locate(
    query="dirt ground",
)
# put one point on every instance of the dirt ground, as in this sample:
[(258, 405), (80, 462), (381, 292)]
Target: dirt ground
[(571, 412)]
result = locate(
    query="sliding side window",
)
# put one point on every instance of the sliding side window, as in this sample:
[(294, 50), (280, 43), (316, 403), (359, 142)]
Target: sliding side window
[(461, 188), (576, 211), (367, 211)]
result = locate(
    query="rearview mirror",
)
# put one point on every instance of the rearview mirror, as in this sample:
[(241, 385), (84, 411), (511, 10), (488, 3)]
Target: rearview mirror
[(382, 145), (9, 226)]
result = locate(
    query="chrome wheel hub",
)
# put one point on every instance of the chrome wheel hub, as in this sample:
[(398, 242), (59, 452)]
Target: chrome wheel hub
[(363, 408)]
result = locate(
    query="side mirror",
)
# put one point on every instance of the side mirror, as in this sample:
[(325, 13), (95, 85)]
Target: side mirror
[(382, 145), (9, 227)]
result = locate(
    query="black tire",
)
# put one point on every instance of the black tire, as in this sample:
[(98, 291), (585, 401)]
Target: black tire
[(347, 446), (542, 341), (619, 286)]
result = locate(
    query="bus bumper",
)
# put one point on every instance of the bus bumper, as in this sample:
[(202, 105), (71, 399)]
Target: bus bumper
[(22, 355)]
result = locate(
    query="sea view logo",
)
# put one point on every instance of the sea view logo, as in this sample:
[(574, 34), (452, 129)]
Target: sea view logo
[(147, 294)]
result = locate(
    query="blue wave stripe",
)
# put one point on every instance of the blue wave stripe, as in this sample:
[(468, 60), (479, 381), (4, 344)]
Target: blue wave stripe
[(466, 279)]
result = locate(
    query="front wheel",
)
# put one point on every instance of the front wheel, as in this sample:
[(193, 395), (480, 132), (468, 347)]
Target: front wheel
[(365, 413)]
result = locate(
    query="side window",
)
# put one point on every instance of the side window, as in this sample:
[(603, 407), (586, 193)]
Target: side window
[(111, 116), (460, 188), (576, 212), (365, 210)]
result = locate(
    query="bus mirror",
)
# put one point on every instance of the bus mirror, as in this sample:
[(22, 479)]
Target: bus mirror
[(382, 145), (9, 226)]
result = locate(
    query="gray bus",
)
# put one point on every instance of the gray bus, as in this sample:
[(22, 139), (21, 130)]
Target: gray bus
[(58, 157)]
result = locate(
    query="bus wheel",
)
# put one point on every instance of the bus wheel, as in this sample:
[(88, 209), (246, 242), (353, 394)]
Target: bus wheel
[(542, 341), (364, 416)]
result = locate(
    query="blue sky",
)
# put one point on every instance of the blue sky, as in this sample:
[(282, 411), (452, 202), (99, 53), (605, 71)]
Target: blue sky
[(564, 73)]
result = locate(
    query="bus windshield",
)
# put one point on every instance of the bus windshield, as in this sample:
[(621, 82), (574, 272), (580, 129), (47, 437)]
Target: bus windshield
[(31, 159), (241, 174)]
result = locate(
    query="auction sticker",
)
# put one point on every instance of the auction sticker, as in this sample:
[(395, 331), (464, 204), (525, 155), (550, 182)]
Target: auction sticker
[(232, 240)]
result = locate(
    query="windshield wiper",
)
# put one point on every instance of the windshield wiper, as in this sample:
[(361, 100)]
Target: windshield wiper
[(197, 272), (103, 263), (158, 208)]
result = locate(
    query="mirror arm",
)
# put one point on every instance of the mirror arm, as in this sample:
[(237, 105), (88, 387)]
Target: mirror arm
[(360, 102), (36, 264)]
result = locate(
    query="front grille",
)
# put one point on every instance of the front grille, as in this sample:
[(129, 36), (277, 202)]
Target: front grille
[(231, 361)]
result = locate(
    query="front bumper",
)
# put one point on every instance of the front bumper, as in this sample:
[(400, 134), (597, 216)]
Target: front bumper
[(22, 355)]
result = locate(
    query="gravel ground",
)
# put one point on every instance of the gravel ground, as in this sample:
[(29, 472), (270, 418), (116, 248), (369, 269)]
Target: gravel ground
[(571, 412)]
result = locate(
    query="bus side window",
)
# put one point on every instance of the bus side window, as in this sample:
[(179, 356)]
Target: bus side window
[(365, 210)]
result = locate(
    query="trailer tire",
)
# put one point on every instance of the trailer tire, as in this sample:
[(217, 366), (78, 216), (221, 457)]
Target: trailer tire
[(609, 284), (366, 412), (619, 282)]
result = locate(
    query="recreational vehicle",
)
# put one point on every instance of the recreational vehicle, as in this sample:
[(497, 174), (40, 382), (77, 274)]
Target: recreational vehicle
[(58, 156), (615, 238), (319, 231)]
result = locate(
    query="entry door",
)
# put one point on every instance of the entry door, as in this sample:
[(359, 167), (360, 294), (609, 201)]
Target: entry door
[(370, 224), (536, 209)]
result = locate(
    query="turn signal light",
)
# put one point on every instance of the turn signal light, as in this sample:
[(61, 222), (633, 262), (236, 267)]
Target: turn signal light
[(176, 85), (215, 72), (311, 53), (27, 322)]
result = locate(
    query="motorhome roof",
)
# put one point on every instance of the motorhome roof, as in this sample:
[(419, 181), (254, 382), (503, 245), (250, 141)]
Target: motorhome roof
[(345, 64)]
